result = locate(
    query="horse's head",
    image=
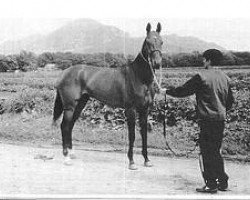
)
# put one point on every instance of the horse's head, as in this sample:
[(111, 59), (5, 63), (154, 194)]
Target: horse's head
[(152, 46)]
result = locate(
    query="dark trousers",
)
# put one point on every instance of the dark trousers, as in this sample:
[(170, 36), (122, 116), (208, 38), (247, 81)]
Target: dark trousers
[(211, 134)]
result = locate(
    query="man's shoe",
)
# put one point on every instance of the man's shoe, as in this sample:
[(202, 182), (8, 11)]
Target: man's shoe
[(222, 186), (206, 189)]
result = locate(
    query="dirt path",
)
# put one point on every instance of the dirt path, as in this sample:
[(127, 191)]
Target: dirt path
[(104, 173)]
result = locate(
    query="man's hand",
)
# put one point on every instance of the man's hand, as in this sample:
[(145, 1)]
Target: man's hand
[(163, 90), (160, 94)]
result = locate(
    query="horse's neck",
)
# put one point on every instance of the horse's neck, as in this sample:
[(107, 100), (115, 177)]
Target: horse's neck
[(142, 70)]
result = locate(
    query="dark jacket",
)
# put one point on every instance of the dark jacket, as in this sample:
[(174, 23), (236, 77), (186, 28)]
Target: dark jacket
[(213, 94)]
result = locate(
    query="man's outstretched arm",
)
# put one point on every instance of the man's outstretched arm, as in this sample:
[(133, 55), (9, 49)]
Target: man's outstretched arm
[(189, 88)]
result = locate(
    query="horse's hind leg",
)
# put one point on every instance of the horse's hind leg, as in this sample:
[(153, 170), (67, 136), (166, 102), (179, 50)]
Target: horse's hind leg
[(66, 127), (130, 115), (78, 109), (143, 117), (69, 119), (80, 105)]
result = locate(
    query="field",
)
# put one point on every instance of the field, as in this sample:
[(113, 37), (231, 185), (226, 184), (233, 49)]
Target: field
[(26, 105)]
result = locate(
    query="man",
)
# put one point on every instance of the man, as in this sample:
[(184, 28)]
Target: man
[(214, 97)]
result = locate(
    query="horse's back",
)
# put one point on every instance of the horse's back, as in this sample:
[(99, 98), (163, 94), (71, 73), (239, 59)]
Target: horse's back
[(104, 84)]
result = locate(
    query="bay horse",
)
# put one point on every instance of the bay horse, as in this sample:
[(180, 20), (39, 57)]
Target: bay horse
[(129, 87)]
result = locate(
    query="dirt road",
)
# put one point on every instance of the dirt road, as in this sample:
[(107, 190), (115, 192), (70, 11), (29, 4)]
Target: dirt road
[(104, 173)]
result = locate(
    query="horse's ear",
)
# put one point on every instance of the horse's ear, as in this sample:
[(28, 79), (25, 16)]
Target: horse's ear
[(158, 29), (148, 27)]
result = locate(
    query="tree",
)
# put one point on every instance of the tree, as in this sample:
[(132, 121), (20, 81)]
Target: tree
[(228, 59), (26, 61), (242, 58), (44, 59)]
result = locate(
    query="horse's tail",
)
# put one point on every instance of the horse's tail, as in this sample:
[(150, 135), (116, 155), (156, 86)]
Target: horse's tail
[(58, 107)]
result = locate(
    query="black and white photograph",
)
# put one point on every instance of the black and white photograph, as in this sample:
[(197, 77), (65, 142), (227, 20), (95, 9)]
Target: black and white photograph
[(115, 99)]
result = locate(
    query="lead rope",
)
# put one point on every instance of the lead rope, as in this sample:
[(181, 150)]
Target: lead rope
[(164, 127), (165, 135), (164, 111)]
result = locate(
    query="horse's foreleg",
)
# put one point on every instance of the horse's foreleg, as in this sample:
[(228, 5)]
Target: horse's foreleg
[(143, 116), (130, 115)]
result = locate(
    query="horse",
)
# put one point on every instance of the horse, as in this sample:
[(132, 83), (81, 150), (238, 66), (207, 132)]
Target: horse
[(129, 87)]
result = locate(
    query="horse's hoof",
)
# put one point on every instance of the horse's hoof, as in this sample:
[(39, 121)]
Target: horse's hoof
[(68, 161), (148, 164), (132, 167), (72, 155)]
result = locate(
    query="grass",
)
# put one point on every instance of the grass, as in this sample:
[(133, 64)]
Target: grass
[(37, 131)]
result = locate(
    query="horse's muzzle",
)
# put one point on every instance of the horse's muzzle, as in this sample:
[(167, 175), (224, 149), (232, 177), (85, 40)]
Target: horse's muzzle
[(156, 63), (156, 59)]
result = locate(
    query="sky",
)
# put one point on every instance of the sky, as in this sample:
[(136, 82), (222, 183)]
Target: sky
[(225, 22)]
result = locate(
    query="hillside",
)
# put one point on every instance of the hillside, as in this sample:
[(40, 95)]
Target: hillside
[(90, 36)]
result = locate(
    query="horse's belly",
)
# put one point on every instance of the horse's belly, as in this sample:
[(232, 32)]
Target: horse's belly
[(111, 98), (107, 92)]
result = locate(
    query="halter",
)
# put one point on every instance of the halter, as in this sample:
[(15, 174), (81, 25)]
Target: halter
[(150, 65), (151, 68), (155, 51)]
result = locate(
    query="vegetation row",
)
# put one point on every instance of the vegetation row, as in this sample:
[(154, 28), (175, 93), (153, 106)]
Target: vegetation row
[(28, 61), (33, 93)]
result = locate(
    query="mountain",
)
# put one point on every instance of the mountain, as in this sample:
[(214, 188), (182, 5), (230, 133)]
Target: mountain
[(178, 44), (90, 36)]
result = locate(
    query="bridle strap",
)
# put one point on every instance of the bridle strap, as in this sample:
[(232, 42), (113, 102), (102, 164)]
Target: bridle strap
[(151, 67), (156, 50)]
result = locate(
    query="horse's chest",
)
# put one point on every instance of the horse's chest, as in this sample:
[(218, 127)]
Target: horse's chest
[(144, 97)]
